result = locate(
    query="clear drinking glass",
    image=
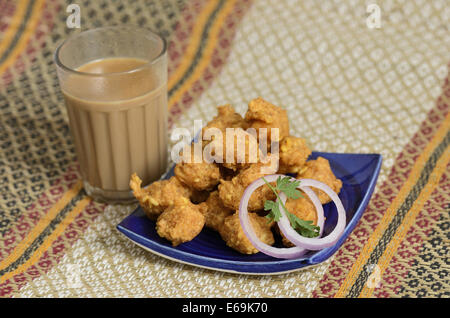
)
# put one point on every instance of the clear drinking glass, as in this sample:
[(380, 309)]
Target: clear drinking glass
[(114, 81)]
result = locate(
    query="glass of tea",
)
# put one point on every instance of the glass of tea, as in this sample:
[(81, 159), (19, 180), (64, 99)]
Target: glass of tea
[(114, 82)]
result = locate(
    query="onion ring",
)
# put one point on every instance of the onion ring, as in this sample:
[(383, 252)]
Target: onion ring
[(314, 243), (288, 253)]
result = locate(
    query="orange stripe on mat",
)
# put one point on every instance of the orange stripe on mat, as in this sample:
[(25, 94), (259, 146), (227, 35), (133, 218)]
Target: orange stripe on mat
[(41, 225), (213, 37), (23, 41), (441, 167), (70, 217), (34, 233), (194, 43), (390, 212), (14, 25)]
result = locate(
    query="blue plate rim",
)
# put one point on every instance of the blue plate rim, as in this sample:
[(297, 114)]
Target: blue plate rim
[(325, 253), (260, 267)]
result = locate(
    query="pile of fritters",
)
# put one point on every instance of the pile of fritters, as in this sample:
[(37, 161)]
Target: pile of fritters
[(208, 194)]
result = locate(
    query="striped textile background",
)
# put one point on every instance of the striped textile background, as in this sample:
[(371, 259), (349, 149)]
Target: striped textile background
[(348, 88)]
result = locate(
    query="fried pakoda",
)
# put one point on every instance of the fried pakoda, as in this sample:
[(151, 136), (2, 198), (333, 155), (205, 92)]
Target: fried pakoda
[(159, 195), (226, 118), (293, 154), (207, 190), (237, 150), (197, 174), (304, 209), (262, 114), (180, 223), (216, 212), (233, 234), (231, 192), (320, 170)]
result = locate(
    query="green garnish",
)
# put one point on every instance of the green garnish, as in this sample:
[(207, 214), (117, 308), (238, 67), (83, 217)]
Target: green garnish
[(289, 188)]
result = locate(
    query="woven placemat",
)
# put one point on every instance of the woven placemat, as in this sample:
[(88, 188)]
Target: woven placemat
[(347, 87)]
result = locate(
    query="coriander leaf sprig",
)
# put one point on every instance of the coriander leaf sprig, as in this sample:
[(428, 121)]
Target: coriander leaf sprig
[(289, 188)]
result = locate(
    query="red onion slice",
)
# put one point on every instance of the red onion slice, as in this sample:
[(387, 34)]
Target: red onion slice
[(314, 243), (288, 253)]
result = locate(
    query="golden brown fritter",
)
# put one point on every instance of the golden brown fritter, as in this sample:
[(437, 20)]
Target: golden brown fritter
[(293, 154), (159, 195), (180, 223), (226, 118), (231, 192), (304, 209), (233, 235), (238, 149), (262, 114), (320, 170), (216, 212), (260, 196), (259, 169), (199, 176)]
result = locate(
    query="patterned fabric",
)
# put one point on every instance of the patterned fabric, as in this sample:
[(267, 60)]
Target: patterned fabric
[(347, 88)]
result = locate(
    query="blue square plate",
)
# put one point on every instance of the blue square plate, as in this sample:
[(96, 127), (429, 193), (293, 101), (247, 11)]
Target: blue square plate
[(358, 173)]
